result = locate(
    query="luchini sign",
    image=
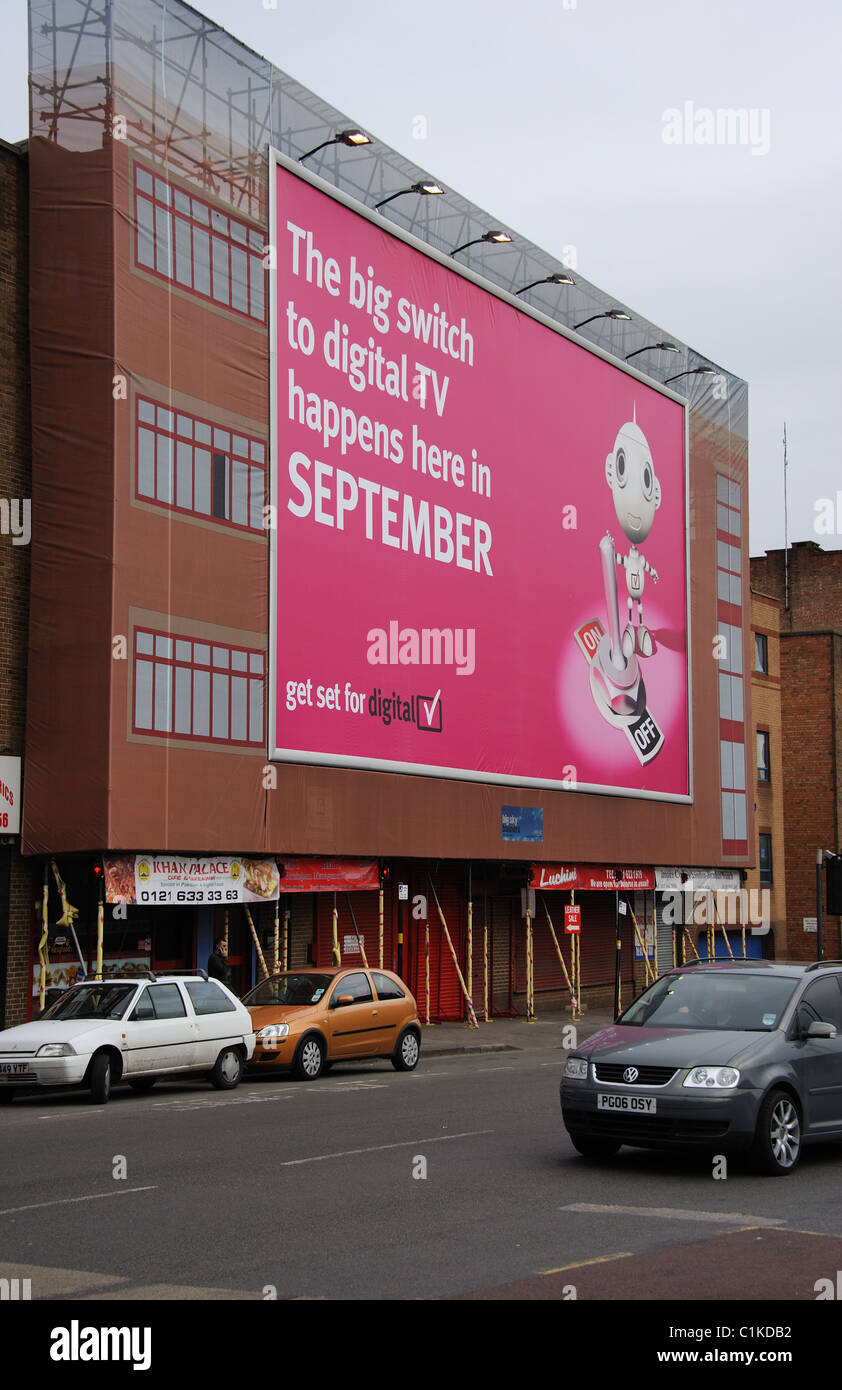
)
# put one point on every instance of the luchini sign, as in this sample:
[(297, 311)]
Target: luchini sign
[(478, 525), (590, 877)]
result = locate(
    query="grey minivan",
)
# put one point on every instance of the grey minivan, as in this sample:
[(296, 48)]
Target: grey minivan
[(737, 1055)]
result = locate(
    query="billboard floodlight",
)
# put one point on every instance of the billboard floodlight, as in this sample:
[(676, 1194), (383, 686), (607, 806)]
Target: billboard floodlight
[(353, 138), (609, 314), (425, 187), (557, 278), (694, 371), (653, 347), (500, 238)]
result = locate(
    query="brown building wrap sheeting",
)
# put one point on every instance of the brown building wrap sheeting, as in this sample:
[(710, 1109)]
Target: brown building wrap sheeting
[(106, 562)]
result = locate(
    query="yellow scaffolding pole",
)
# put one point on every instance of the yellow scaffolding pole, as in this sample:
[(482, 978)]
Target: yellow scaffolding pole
[(256, 940), (641, 941), (286, 938), (530, 966), (337, 956), (470, 941), (360, 941), (472, 1018), (276, 938), (427, 970), (551, 926), (100, 930), (43, 947), (485, 960)]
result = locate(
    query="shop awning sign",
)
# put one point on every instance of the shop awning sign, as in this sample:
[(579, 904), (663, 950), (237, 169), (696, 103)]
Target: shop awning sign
[(9, 796), (589, 878), (150, 880), (703, 880), (311, 875)]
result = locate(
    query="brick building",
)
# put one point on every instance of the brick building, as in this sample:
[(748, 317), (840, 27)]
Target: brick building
[(769, 871), (15, 490), (806, 583)]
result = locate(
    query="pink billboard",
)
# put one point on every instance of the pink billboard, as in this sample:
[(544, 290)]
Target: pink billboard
[(478, 524)]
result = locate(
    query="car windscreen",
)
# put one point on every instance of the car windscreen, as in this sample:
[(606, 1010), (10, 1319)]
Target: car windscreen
[(93, 1001), (288, 991), (718, 1000)]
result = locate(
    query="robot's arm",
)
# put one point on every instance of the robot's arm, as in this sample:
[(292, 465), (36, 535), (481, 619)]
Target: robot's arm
[(649, 570)]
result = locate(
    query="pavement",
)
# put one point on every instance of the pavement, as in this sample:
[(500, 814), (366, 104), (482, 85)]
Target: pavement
[(511, 1034)]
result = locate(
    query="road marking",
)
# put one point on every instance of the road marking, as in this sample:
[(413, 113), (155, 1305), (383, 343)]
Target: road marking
[(70, 1114), (598, 1260), (66, 1201), (209, 1103), (495, 1068), (721, 1218), (378, 1148), (356, 1086)]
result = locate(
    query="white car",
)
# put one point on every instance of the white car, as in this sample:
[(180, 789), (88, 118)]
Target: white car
[(130, 1030)]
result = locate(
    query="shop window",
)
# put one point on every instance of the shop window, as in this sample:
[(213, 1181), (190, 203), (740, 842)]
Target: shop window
[(761, 653), (764, 857), (189, 689), (764, 773), (190, 465), (206, 251)]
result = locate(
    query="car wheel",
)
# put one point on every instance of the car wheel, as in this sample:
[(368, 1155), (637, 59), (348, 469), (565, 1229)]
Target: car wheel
[(227, 1069), (309, 1059), (142, 1083), (777, 1143), (594, 1148), (406, 1054), (100, 1078)]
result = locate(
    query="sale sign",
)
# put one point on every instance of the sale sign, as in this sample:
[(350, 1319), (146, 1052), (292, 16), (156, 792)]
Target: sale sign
[(572, 919), (478, 524)]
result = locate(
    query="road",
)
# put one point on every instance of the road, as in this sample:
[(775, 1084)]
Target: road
[(317, 1191)]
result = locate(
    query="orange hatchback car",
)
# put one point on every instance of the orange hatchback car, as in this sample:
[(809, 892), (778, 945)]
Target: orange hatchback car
[(308, 1019)]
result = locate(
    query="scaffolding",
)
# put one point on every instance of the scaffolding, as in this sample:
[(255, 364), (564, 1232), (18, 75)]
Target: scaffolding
[(190, 97)]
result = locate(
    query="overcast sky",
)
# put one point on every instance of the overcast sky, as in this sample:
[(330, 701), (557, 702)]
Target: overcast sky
[(551, 115)]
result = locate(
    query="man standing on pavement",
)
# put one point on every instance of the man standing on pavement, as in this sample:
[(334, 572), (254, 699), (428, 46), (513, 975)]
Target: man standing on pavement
[(218, 967)]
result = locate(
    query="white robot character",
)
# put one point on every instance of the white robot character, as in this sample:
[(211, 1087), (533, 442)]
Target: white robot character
[(637, 496)]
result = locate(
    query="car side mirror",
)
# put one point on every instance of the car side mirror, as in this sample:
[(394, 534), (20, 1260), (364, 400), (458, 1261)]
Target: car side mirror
[(342, 1000), (141, 1012), (819, 1029)]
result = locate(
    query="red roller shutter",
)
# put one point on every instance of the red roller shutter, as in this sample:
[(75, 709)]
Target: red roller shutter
[(366, 907), (501, 940), (598, 939), (446, 998)]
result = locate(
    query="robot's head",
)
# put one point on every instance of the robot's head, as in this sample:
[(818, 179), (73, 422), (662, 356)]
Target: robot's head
[(631, 478)]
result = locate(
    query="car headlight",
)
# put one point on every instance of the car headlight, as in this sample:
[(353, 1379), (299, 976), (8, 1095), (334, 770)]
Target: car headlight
[(56, 1050), (272, 1032), (577, 1068), (713, 1078)]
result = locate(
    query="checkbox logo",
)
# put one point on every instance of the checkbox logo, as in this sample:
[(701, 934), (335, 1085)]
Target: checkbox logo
[(428, 713)]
